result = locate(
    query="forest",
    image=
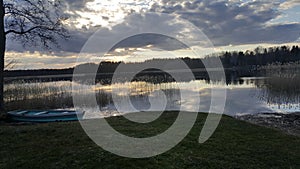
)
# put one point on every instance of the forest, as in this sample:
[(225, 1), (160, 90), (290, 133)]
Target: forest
[(236, 60)]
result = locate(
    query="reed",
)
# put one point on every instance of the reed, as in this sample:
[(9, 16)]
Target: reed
[(45, 95), (282, 89)]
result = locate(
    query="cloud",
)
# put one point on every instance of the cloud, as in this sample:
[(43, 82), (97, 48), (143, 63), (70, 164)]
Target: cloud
[(85, 17), (77, 5), (162, 31), (233, 22), (74, 44), (37, 60), (289, 4), (104, 13), (224, 22)]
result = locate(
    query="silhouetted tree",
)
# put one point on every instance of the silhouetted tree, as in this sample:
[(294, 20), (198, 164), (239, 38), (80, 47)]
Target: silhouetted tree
[(32, 22)]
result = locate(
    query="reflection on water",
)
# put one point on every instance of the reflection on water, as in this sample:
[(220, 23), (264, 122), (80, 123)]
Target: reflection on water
[(245, 95), (281, 91)]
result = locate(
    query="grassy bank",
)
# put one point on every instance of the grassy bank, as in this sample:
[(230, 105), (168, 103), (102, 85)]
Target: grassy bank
[(235, 144)]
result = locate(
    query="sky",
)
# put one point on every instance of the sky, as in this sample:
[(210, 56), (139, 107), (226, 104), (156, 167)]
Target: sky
[(209, 26)]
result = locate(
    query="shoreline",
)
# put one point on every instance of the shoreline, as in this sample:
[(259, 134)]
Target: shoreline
[(288, 123)]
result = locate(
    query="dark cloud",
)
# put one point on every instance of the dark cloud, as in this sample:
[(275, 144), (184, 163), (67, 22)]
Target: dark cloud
[(143, 31), (224, 22), (76, 41), (155, 40), (73, 44), (233, 22)]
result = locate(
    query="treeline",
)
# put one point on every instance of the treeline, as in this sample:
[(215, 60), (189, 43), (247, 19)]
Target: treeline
[(230, 60), (261, 56), (235, 59), (37, 72)]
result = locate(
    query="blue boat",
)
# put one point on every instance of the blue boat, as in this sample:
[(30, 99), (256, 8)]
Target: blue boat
[(40, 116)]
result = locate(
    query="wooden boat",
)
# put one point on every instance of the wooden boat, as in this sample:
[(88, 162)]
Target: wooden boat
[(45, 116)]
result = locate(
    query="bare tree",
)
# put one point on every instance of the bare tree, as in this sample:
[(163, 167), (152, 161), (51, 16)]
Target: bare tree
[(32, 22)]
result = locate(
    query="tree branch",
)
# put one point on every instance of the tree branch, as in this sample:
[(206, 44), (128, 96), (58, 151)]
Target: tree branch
[(38, 22), (27, 31)]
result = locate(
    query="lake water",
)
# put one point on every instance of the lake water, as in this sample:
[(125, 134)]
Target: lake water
[(244, 96), (249, 96)]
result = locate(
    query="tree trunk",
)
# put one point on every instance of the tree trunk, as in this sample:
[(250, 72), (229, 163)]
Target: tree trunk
[(2, 54)]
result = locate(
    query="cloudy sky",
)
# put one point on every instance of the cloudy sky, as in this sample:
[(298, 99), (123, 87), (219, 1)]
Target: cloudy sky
[(220, 24)]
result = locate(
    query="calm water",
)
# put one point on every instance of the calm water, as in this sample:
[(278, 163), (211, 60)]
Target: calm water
[(244, 96)]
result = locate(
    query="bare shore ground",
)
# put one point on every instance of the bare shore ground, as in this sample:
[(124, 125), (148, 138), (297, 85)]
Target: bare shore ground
[(289, 123)]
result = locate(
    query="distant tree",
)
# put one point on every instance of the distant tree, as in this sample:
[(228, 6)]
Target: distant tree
[(259, 50), (295, 49), (32, 22)]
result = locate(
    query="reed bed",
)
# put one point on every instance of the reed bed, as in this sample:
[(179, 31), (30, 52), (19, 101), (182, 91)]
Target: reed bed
[(282, 89), (59, 95), (45, 95)]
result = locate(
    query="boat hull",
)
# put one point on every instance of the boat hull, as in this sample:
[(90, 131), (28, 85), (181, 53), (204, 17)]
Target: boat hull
[(45, 116)]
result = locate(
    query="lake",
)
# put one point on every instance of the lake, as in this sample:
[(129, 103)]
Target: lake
[(249, 95)]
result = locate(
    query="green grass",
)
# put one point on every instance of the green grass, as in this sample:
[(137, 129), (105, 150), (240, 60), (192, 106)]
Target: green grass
[(235, 144)]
